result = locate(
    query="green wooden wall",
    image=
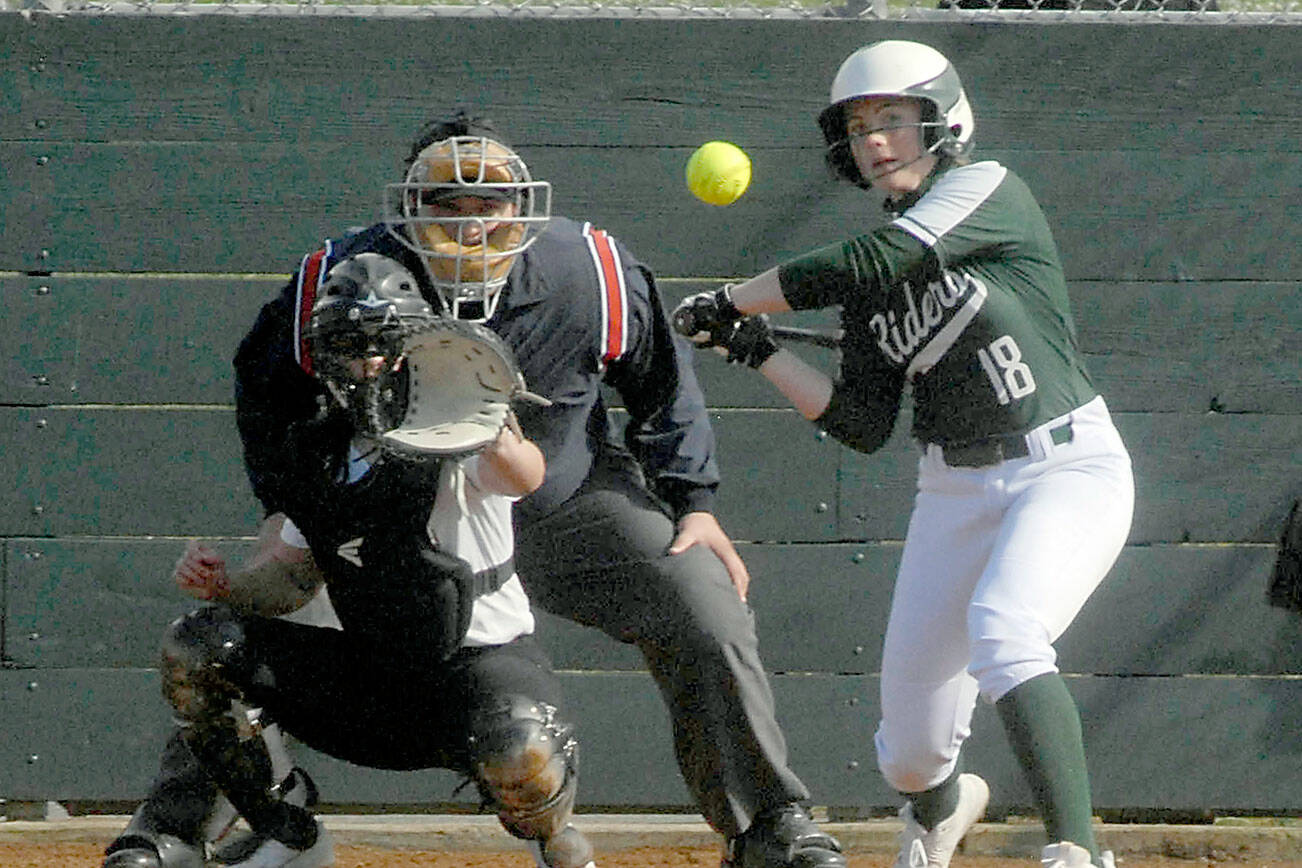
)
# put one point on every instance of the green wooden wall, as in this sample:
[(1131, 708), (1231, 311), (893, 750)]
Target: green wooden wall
[(162, 175)]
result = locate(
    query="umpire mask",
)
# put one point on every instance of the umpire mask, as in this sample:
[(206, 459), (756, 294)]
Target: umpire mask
[(469, 206)]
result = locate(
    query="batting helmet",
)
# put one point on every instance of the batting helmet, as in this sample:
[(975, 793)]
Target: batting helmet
[(469, 255), (898, 68), (360, 311)]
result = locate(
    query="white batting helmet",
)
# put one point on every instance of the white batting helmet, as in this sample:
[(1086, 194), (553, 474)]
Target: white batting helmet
[(899, 68)]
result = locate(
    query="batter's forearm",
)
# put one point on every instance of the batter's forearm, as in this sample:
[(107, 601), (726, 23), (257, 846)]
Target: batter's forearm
[(760, 294), (808, 389)]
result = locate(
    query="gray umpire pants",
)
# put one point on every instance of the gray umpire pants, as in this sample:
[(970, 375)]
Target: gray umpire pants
[(599, 560)]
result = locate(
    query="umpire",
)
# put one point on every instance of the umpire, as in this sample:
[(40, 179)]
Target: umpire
[(620, 536)]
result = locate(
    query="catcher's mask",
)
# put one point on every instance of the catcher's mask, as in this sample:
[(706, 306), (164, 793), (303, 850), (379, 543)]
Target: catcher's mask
[(362, 309), (898, 68), (469, 206)]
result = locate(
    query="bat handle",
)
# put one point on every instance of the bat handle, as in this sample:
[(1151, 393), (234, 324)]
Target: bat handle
[(830, 340), (684, 322)]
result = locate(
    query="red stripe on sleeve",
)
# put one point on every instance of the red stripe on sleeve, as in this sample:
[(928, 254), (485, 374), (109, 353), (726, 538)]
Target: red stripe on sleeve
[(611, 280), (309, 279)]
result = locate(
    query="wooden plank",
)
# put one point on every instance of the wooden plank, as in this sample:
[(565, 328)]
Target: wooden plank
[(663, 82), (73, 731), (258, 207), (126, 340), (1213, 477), (94, 734), (1104, 230), (98, 734), (1172, 347), (142, 206), (1229, 347), (1167, 723), (1185, 347), (123, 471), (178, 471), (24, 65), (169, 339), (105, 602), (93, 602), (1163, 610), (655, 103), (1174, 610), (1208, 477), (763, 499), (1137, 730), (6, 636)]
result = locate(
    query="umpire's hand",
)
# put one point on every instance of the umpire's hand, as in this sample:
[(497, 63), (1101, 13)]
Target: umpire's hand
[(703, 528)]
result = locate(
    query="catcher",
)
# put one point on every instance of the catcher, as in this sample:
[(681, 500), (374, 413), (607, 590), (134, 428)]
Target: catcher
[(408, 525)]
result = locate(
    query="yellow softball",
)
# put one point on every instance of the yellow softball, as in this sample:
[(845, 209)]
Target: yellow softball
[(718, 173)]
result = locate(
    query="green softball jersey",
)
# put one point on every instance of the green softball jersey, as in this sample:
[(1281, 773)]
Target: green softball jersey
[(962, 297)]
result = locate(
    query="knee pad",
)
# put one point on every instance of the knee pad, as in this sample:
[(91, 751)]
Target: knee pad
[(524, 759), (201, 651)]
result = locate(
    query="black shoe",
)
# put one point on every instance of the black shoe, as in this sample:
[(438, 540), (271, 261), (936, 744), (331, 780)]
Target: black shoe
[(783, 837), (133, 857), (165, 851)]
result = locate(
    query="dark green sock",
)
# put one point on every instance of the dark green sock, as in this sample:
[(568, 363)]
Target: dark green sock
[(1043, 728), (933, 805)]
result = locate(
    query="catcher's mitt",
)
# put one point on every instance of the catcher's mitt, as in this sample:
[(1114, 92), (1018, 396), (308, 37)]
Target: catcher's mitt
[(1285, 589), (450, 393)]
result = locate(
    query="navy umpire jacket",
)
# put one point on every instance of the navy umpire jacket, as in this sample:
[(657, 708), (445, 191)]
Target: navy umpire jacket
[(578, 311)]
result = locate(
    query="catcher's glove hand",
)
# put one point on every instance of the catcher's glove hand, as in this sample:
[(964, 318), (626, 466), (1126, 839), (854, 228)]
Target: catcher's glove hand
[(449, 393)]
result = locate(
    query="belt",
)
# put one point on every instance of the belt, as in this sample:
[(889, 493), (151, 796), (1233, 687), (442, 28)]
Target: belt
[(1001, 447)]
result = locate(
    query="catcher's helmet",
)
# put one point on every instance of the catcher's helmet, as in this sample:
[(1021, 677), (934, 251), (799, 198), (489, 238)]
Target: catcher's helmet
[(360, 311), (898, 68), (467, 267)]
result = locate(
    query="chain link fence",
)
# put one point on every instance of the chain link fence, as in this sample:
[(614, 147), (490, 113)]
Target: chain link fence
[(1132, 11)]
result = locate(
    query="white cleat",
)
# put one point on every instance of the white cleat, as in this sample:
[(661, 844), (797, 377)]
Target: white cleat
[(274, 854), (1065, 854), (920, 848)]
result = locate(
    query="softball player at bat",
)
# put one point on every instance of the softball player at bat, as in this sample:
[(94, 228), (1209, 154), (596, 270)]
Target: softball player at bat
[(1025, 491)]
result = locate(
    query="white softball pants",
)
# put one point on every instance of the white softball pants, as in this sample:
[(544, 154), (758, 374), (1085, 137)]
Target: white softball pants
[(997, 562)]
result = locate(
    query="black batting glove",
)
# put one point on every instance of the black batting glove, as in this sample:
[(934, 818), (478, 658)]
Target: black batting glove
[(748, 341), (705, 312)]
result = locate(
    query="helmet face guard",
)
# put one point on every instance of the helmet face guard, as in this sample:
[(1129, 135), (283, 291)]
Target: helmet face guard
[(364, 306), (900, 69), (468, 256)]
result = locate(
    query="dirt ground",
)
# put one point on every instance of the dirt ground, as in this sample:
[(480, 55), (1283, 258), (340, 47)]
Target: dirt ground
[(73, 855)]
